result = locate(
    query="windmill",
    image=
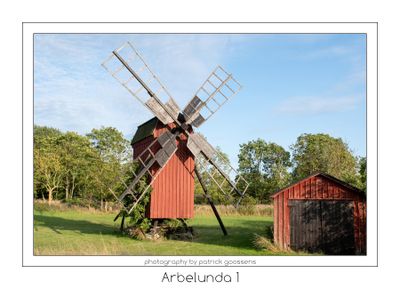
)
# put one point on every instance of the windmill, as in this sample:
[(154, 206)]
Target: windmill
[(175, 136)]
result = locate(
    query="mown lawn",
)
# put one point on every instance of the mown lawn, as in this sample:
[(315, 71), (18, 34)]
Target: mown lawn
[(75, 232)]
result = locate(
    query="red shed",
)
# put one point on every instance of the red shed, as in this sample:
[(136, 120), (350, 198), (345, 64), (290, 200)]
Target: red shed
[(172, 194), (321, 214)]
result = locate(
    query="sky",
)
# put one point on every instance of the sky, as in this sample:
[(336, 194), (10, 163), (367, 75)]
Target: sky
[(292, 84)]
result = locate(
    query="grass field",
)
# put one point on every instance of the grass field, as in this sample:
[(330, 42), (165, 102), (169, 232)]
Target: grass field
[(80, 232)]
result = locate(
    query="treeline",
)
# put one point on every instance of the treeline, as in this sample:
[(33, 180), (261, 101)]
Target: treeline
[(268, 167), (80, 169), (89, 169)]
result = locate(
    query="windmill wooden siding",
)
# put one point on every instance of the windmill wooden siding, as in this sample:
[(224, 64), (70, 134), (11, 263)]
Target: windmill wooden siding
[(314, 213), (172, 194)]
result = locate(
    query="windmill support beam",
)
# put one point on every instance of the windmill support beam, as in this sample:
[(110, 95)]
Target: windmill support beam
[(121, 228), (221, 224)]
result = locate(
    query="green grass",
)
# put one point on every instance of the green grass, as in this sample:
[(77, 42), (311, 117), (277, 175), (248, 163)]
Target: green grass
[(79, 232)]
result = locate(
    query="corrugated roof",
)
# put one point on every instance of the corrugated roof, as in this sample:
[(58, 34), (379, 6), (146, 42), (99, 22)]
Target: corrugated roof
[(332, 178), (145, 130)]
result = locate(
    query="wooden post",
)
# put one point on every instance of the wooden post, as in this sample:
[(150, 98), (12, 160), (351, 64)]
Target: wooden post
[(210, 201), (117, 216), (122, 223), (155, 223)]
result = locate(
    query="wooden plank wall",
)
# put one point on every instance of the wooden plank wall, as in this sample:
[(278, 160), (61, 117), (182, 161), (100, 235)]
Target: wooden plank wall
[(317, 188), (172, 195), (281, 217), (360, 225)]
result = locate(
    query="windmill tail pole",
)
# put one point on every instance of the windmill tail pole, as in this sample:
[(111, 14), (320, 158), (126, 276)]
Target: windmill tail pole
[(221, 224)]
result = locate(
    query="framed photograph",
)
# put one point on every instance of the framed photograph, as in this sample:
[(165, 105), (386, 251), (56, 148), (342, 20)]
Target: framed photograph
[(200, 144)]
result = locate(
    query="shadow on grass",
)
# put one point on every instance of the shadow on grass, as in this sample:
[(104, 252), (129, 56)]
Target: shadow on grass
[(81, 226), (240, 234)]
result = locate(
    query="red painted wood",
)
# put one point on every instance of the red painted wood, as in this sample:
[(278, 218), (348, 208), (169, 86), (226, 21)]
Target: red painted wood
[(313, 187), (318, 187), (286, 220), (172, 194), (279, 220), (282, 217), (357, 224), (276, 221)]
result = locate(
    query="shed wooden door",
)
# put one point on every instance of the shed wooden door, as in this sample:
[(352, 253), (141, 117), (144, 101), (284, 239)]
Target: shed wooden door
[(322, 226)]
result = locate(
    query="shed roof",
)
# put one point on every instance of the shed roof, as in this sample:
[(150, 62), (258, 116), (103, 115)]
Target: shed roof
[(145, 130), (327, 176)]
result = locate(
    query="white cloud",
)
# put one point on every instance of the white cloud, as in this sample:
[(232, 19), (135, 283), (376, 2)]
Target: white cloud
[(73, 92), (347, 52), (182, 66), (315, 104)]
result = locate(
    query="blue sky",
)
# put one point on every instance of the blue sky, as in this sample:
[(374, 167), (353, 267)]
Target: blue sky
[(292, 84)]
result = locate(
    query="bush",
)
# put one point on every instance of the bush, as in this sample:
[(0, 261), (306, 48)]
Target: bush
[(173, 223), (42, 207), (264, 243), (200, 199), (135, 233), (223, 210), (247, 210), (248, 201), (144, 224), (77, 202), (247, 205), (269, 232)]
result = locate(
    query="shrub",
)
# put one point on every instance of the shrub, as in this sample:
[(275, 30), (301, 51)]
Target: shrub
[(172, 223), (269, 232), (263, 243), (42, 207), (135, 233), (247, 210), (230, 210), (144, 224), (77, 202)]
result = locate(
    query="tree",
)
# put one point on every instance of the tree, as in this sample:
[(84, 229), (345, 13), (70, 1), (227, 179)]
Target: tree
[(45, 179), (42, 132), (79, 160), (265, 166), (81, 169), (48, 171), (111, 144), (362, 170), (115, 157), (321, 152)]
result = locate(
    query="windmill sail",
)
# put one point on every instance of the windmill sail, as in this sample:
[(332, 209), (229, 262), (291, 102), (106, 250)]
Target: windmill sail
[(218, 88), (128, 67), (209, 161)]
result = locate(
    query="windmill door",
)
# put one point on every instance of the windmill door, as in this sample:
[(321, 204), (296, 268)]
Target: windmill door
[(322, 226)]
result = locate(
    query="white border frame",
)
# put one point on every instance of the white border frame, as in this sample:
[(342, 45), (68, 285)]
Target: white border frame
[(371, 29)]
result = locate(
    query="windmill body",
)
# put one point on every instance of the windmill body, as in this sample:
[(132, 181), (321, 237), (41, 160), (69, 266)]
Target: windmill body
[(172, 193)]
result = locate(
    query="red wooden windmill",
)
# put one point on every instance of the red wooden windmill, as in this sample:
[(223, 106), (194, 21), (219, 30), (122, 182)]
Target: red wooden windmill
[(168, 151)]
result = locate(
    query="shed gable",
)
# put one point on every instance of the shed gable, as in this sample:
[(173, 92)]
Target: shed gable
[(320, 186)]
